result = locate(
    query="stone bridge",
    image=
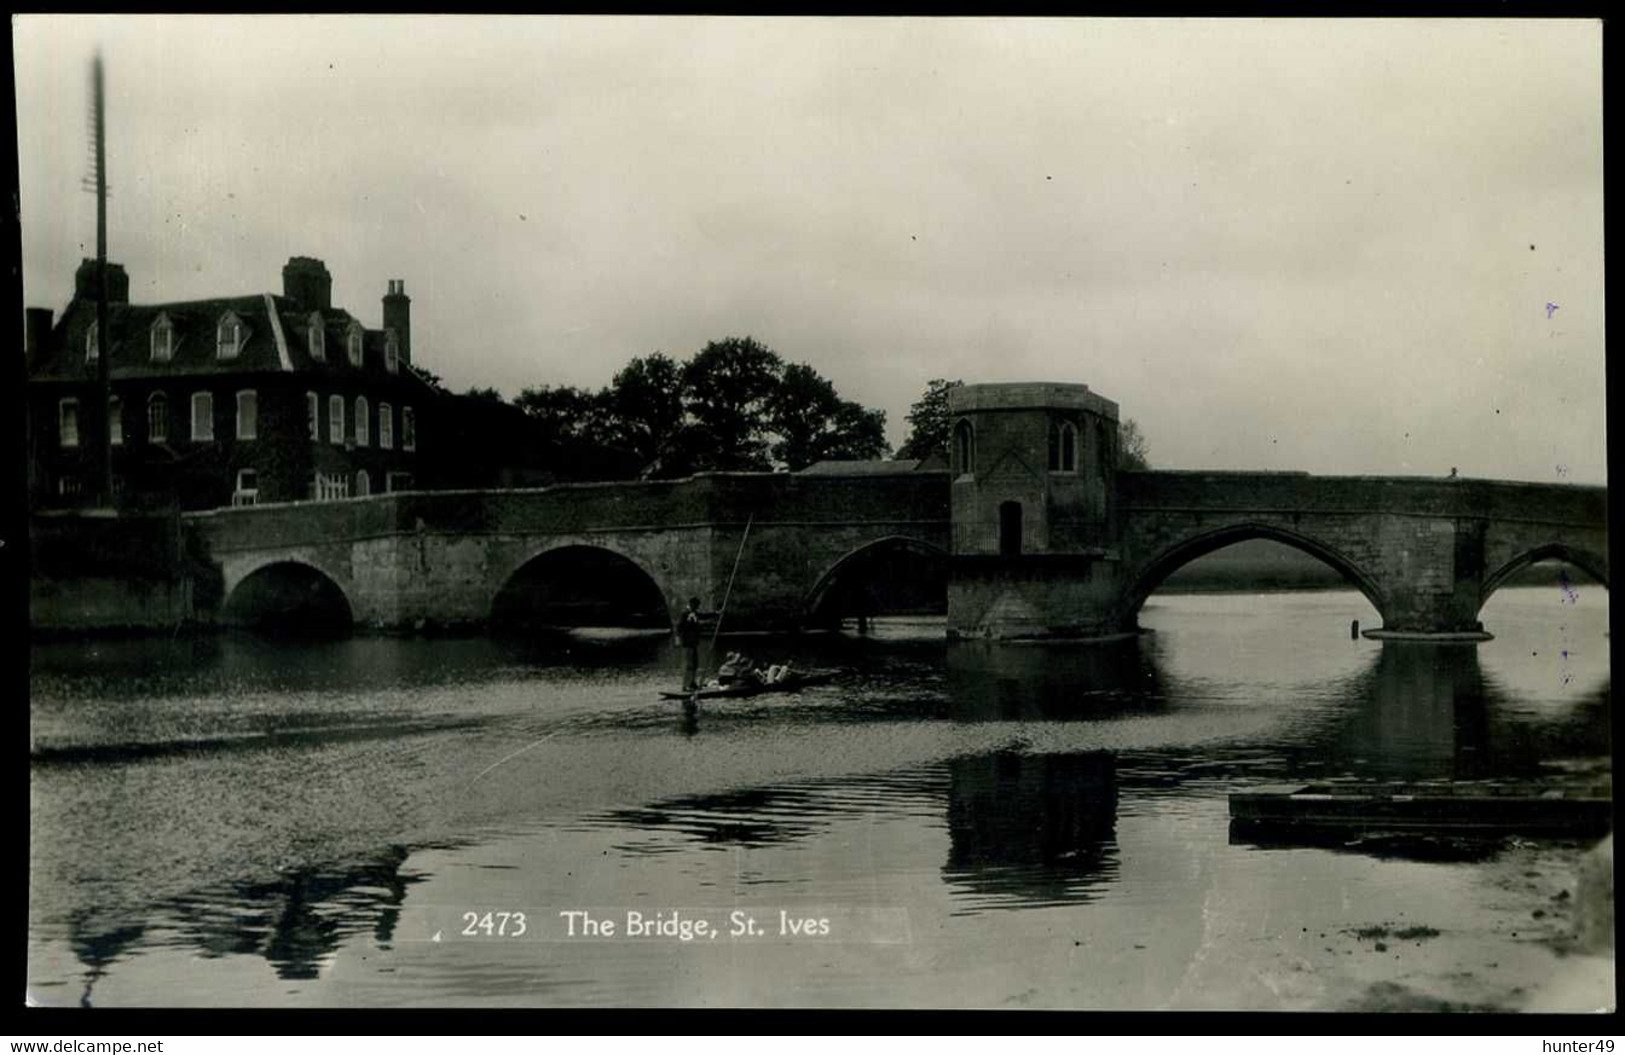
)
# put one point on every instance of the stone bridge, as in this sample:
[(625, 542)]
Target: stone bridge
[(1032, 532), (1427, 553), (444, 558)]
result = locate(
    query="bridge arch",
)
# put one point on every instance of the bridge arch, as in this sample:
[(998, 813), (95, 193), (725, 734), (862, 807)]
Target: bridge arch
[(1593, 564), (290, 595), (823, 590), (1144, 582), (580, 582)]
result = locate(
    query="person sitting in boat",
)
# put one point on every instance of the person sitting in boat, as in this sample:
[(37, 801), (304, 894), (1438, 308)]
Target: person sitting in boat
[(737, 668)]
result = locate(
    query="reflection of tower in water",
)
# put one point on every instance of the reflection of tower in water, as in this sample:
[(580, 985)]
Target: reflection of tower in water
[(1031, 828)]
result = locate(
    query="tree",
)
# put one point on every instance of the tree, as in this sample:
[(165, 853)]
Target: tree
[(564, 412), (726, 390), (645, 407), (929, 422), (490, 395), (813, 423), (1133, 454)]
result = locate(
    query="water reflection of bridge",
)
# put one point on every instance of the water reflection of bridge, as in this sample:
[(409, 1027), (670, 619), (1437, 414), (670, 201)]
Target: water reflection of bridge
[(1024, 827)]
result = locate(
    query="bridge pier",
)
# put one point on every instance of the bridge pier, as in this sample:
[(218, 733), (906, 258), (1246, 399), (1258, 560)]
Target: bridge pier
[(1052, 596)]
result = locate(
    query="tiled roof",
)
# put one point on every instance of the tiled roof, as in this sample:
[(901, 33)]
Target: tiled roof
[(194, 351)]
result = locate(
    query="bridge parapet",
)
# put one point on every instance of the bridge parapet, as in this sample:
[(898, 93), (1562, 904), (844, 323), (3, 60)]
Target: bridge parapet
[(1401, 495)]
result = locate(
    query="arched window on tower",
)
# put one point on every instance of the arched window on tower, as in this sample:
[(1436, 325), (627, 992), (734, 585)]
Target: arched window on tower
[(964, 449), (1063, 447)]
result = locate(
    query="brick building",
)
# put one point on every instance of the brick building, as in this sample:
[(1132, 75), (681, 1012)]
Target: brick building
[(234, 400)]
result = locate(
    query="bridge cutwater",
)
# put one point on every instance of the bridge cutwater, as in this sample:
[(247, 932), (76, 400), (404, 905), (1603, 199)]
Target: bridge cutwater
[(1041, 534)]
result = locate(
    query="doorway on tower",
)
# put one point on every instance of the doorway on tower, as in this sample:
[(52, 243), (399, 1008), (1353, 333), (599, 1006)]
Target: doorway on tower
[(1010, 529)]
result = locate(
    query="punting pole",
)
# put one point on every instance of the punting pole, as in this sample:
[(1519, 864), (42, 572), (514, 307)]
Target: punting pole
[(729, 591)]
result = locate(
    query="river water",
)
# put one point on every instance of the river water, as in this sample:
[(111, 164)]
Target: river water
[(235, 821)]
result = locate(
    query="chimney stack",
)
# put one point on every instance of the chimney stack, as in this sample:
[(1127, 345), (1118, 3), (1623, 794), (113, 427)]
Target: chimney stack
[(398, 316), (38, 333), (118, 283), (306, 282)]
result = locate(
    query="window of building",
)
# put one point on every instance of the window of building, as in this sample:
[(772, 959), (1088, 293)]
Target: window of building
[(157, 418), (363, 484), (248, 415), (392, 352), (67, 485), (398, 482), (331, 487), (229, 336), (93, 343), (1063, 447), (335, 419), (248, 488), (386, 426), (363, 431), (964, 449), (163, 340), (409, 431), (202, 416), (313, 411), (115, 420), (318, 337), (68, 417), (354, 340)]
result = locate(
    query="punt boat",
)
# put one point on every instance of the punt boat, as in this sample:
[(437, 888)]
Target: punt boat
[(792, 682)]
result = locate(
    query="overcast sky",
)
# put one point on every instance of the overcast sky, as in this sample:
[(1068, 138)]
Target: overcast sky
[(1330, 246)]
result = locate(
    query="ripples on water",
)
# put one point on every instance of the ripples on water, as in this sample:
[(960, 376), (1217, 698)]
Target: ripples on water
[(203, 806)]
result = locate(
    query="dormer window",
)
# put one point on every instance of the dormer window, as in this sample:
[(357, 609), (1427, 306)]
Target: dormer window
[(163, 340), (318, 337), (229, 336), (93, 343), (354, 341), (392, 352)]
